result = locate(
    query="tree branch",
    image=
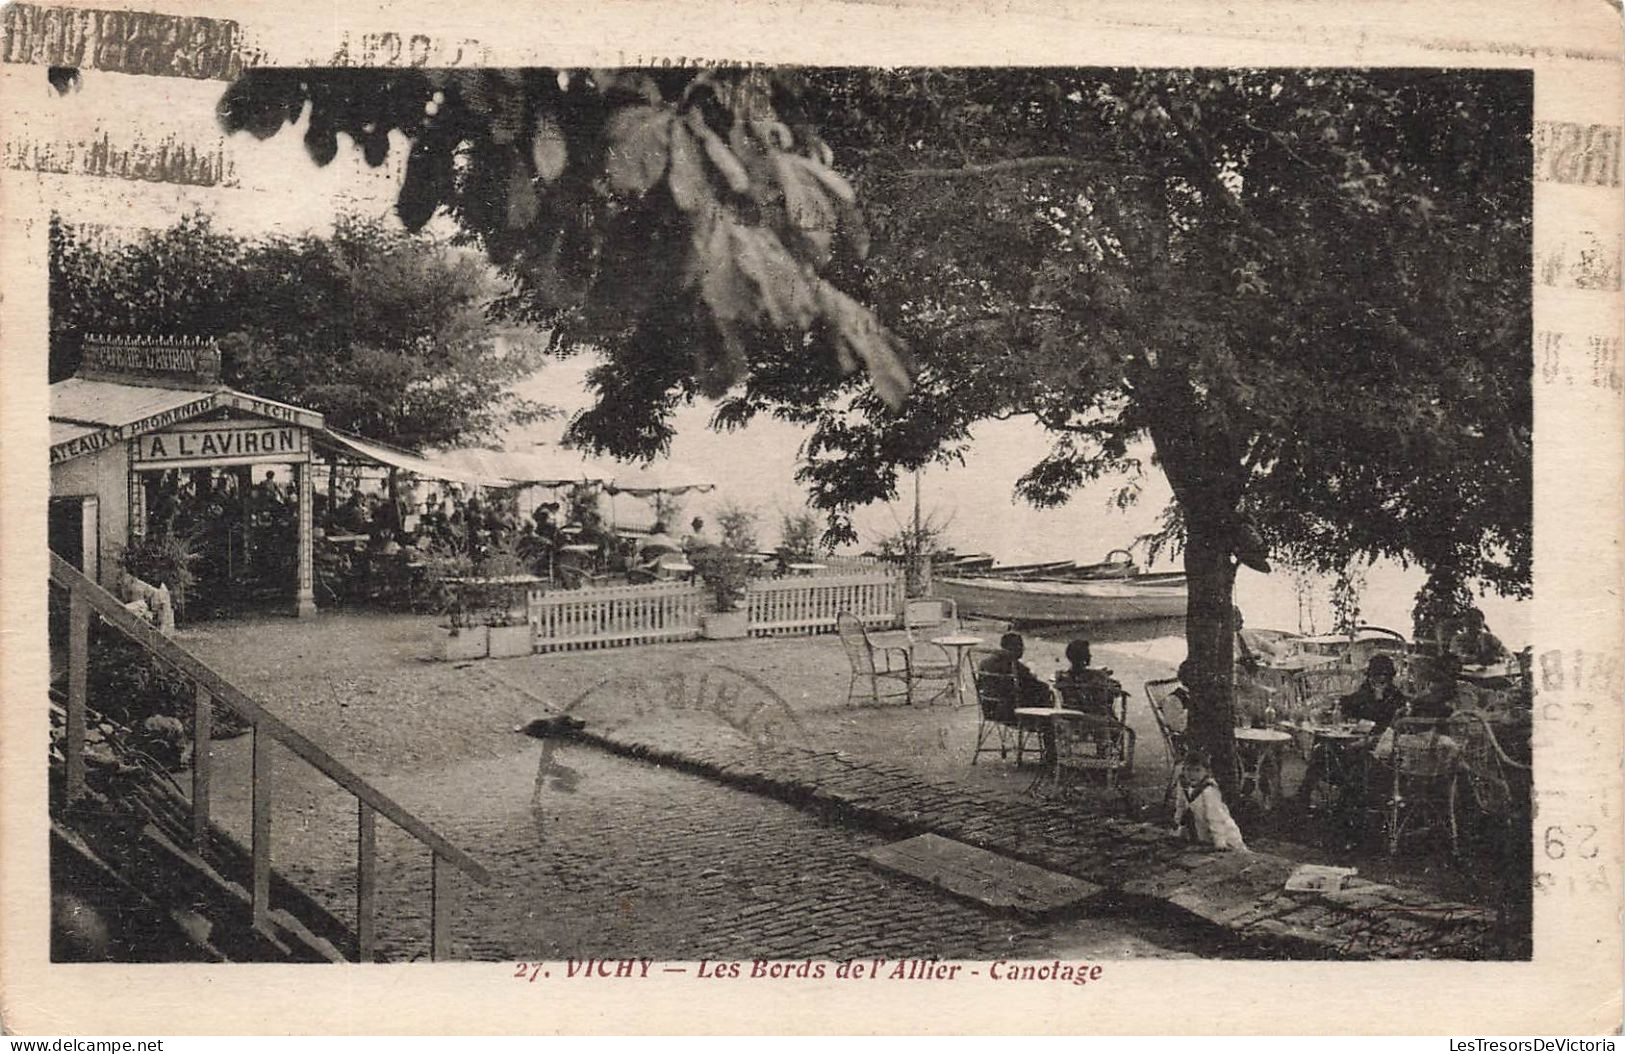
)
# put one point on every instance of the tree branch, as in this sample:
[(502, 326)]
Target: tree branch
[(1015, 164)]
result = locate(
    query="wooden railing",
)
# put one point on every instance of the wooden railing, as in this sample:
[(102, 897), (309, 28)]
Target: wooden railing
[(809, 604), (86, 598), (613, 616)]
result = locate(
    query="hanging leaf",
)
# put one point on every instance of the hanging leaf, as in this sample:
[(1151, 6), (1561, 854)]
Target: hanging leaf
[(859, 337), (810, 213), (756, 154), (720, 364), (548, 151), (523, 201), (713, 269), (782, 293), (722, 159), (427, 184), (321, 142), (686, 176), (638, 149), (375, 146)]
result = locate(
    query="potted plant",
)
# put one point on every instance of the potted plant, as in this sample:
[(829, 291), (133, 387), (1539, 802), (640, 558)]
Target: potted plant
[(447, 569), (726, 574), (727, 570), (505, 616)]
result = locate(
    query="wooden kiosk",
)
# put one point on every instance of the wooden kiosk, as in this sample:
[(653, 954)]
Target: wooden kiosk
[(144, 411)]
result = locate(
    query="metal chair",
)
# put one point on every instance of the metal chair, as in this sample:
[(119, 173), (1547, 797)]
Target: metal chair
[(872, 663), (998, 695)]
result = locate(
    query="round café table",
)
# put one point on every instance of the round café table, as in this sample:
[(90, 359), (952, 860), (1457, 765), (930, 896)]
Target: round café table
[(1258, 755), (1332, 744), (960, 644), (1039, 719)]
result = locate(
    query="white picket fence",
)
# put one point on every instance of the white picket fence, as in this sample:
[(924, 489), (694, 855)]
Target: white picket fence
[(809, 604), (616, 616)]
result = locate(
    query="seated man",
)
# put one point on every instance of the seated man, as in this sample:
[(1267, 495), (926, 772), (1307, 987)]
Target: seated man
[(1085, 688), (1377, 700), (1012, 675)]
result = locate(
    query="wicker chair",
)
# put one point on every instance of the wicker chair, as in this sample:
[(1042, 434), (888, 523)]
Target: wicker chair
[(1498, 785), (873, 663), (1493, 806), (1412, 787), (1159, 693), (998, 695), (1086, 743)]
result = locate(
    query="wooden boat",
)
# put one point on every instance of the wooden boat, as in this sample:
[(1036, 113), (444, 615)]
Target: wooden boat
[(956, 563), (1129, 598)]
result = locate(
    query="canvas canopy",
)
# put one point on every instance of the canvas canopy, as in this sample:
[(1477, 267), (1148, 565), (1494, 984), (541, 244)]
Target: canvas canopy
[(354, 447)]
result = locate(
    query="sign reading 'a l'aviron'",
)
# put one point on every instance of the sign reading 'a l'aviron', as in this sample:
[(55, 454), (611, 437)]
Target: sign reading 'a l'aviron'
[(223, 442)]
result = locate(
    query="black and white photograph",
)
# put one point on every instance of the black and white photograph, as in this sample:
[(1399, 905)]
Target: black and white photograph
[(966, 529)]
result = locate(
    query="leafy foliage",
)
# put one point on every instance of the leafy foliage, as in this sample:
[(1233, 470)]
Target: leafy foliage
[(738, 526), (727, 568), (164, 559), (1308, 289), (391, 336), (678, 218), (800, 536)]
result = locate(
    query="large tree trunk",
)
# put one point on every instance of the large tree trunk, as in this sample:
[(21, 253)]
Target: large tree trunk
[(1206, 478), (1210, 634)]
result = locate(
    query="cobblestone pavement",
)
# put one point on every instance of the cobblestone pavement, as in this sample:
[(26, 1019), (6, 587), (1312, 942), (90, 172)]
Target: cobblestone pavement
[(1239, 893), (596, 855), (765, 716)]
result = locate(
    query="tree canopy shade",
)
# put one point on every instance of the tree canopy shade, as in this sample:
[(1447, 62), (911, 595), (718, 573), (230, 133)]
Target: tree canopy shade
[(1309, 289), (391, 336), (678, 212)]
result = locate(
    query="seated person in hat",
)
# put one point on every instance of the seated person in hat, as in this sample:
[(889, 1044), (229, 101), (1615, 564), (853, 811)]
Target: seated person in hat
[(1377, 700), (1017, 685)]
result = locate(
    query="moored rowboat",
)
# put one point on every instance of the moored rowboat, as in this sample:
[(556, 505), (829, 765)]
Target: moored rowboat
[(1038, 600)]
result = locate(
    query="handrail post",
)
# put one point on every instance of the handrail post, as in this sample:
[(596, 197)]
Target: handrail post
[(366, 880), (261, 844), (439, 936), (202, 735), (73, 744)]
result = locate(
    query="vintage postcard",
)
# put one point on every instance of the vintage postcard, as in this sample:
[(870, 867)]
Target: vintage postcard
[(837, 517)]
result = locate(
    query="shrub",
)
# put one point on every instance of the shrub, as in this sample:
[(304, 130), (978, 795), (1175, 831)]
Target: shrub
[(163, 559)]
